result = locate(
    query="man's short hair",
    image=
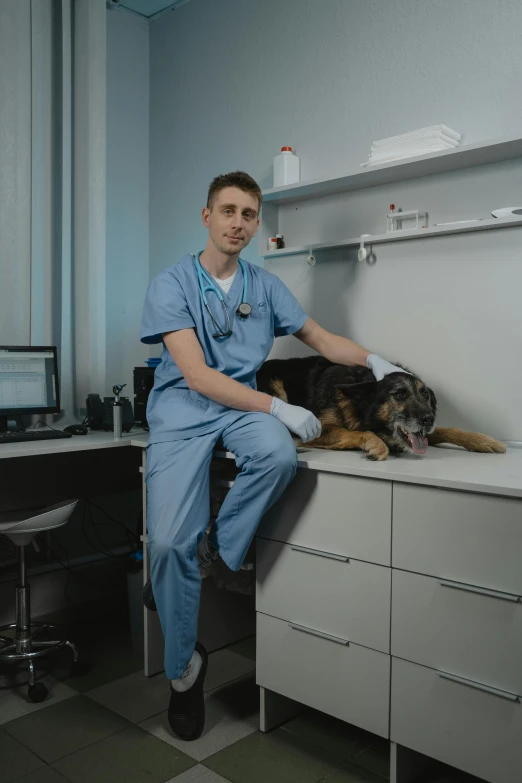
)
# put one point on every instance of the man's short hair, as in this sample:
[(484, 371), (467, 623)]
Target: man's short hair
[(236, 179)]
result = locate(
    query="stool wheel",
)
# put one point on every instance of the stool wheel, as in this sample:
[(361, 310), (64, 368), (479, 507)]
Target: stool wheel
[(37, 692), (79, 668)]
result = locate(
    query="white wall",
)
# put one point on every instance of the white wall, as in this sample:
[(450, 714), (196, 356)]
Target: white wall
[(127, 193), (233, 81)]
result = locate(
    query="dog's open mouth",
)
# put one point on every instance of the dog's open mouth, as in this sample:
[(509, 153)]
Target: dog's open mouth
[(416, 440)]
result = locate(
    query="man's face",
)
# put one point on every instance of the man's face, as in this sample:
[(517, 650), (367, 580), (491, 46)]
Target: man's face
[(232, 221)]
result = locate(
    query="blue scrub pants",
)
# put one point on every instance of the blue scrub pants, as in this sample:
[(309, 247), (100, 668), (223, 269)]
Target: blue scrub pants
[(178, 513)]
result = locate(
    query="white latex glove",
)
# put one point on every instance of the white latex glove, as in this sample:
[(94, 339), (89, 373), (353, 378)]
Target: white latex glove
[(380, 367), (297, 419)]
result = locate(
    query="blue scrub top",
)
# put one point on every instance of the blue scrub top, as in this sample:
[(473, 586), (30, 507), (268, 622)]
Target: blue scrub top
[(173, 301)]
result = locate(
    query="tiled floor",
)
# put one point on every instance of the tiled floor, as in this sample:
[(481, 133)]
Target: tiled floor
[(110, 726)]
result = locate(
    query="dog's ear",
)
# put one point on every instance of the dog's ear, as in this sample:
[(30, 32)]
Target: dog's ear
[(433, 400), (352, 391)]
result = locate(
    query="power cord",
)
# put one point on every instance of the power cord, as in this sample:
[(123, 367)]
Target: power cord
[(131, 537)]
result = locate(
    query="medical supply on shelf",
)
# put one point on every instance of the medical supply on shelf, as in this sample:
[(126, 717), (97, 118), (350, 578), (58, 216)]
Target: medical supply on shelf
[(362, 253), (396, 218), (272, 243), (286, 168), (461, 222), (435, 138), (280, 241), (507, 212)]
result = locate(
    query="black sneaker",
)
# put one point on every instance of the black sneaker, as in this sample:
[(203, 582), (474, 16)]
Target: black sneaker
[(148, 597), (187, 709)]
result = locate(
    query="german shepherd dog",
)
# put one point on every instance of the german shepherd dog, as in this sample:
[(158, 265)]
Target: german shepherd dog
[(394, 415)]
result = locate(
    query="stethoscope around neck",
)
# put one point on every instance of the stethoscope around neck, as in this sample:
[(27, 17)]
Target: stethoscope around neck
[(207, 284)]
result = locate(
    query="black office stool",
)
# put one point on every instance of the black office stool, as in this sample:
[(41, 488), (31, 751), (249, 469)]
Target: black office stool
[(32, 640)]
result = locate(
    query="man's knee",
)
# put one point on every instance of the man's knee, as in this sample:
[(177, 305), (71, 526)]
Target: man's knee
[(163, 547), (280, 455)]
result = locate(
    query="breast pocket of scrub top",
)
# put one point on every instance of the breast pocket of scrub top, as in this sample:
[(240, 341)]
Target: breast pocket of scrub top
[(260, 329)]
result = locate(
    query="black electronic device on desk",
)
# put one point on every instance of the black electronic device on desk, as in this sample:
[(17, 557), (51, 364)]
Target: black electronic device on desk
[(143, 383), (100, 413), (28, 386)]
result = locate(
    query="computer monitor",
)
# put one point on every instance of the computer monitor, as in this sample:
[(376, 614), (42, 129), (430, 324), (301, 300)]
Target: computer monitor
[(28, 381)]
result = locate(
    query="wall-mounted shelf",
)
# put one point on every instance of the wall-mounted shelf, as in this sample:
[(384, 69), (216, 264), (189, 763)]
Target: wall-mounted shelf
[(493, 151), (396, 236)]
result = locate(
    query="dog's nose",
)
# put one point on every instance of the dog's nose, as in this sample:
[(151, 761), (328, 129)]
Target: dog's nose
[(427, 420)]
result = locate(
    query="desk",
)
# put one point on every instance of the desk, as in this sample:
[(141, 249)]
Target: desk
[(58, 469), (398, 584), (46, 471), (93, 440), (403, 579)]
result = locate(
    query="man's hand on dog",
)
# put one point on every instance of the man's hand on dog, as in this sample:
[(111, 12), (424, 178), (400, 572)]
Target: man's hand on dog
[(298, 420), (380, 367)]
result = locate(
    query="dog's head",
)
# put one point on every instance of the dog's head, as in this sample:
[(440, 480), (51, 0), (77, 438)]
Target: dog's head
[(400, 409)]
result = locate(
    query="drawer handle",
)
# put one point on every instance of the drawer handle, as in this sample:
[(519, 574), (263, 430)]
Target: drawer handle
[(319, 553), (323, 635), (479, 687), (480, 590)]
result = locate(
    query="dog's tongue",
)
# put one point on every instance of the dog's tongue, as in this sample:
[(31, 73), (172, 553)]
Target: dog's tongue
[(418, 443)]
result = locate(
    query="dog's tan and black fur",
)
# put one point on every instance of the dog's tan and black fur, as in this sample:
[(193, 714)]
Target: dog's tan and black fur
[(394, 415)]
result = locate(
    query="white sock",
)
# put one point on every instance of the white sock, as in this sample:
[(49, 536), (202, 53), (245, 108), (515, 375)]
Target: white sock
[(190, 675)]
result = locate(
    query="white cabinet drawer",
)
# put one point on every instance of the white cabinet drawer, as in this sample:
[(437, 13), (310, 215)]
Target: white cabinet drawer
[(336, 513), (462, 536), (345, 680), (342, 597), (443, 625), (456, 723)]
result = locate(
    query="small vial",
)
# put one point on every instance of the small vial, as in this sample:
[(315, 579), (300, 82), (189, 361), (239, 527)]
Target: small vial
[(280, 241), (272, 243)]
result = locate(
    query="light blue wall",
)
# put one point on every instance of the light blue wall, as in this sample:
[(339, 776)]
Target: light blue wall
[(127, 193), (231, 81)]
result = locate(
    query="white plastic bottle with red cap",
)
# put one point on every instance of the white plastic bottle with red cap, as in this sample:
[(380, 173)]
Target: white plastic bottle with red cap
[(286, 168)]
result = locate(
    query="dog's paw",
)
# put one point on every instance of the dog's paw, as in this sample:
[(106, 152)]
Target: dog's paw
[(485, 444), (376, 449)]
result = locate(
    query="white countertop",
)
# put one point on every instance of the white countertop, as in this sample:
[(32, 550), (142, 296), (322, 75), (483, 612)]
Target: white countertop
[(496, 474), (93, 440), (452, 468)]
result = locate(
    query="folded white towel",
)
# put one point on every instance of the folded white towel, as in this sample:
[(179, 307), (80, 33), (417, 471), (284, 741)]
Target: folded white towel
[(407, 152), (420, 143), (412, 149), (421, 133)]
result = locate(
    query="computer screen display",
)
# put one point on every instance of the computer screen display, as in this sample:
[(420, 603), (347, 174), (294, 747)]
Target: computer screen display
[(28, 380)]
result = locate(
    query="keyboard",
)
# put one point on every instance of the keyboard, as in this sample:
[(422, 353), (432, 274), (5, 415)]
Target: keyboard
[(31, 436)]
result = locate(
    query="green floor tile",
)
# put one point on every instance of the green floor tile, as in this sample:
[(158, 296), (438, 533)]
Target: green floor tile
[(101, 632), (246, 647), (334, 735), (376, 757), (15, 759), (132, 756), (44, 775), (109, 657), (198, 774), (278, 757), (65, 727), (441, 773), (351, 773)]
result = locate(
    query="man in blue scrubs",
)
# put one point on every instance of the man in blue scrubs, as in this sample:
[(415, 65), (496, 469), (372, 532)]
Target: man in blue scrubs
[(216, 317)]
